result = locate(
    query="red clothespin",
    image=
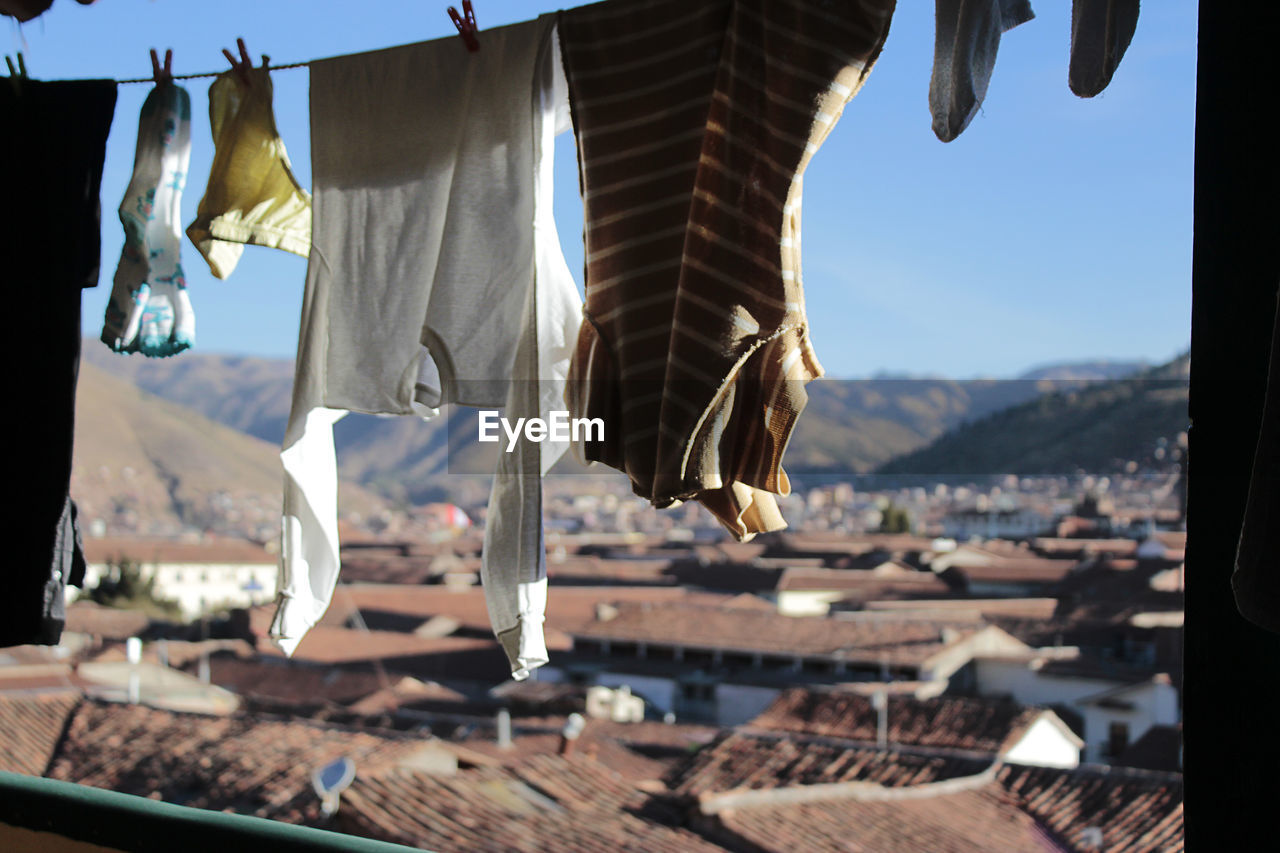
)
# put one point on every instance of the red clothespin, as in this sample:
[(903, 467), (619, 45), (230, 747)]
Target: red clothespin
[(243, 64), (165, 74), (466, 26)]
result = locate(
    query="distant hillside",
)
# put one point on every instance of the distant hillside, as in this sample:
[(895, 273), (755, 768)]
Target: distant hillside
[(248, 394), (397, 457), (1098, 428), (849, 426), (855, 425), (155, 466), (1087, 370)]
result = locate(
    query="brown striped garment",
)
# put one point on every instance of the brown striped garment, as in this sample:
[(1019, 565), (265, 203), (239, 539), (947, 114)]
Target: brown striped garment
[(694, 124)]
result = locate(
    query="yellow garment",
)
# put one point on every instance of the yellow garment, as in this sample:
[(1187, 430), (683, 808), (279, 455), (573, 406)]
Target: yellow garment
[(252, 195)]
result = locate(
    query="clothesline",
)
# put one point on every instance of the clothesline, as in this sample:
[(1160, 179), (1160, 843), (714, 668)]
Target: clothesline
[(466, 28), (212, 73), (732, 318)]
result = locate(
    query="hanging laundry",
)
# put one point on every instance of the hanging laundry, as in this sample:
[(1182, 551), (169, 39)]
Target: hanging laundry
[(150, 311), (966, 39), (252, 196), (435, 277), (51, 155), (24, 10), (694, 127), (1100, 34)]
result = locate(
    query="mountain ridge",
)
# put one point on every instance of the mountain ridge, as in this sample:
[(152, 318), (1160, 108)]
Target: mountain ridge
[(153, 466), (848, 427), (1102, 427)]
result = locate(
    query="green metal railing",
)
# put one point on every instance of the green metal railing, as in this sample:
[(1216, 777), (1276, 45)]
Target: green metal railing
[(129, 823)]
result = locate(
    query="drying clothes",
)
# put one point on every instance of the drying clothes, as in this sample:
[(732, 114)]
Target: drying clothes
[(435, 277), (150, 311), (51, 157), (694, 127), (1256, 579), (966, 39), (252, 196), (1100, 34), (25, 10)]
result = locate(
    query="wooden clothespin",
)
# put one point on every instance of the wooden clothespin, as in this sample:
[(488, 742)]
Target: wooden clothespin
[(18, 73), (159, 74), (243, 64), (466, 26)]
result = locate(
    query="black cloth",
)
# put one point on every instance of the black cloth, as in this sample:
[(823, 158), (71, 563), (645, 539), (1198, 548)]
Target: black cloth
[(51, 154), (1100, 34), (1256, 580)]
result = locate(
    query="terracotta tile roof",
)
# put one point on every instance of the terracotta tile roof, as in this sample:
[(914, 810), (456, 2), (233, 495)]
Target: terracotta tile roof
[(552, 803), (406, 691), (467, 657), (475, 655), (1118, 589), (86, 617), (762, 761), (1137, 811), (863, 583), (951, 722), (899, 639), (567, 606), (595, 541), (30, 726), (1058, 546), (807, 541), (733, 552), (541, 697), (596, 570), (289, 681), (149, 551), (383, 568), (748, 601), (637, 751), (182, 654), (986, 608), (1006, 546), (604, 751), (1023, 809), (51, 680), (683, 736), (981, 821), (32, 669), (11, 656), (1019, 570), (248, 764)]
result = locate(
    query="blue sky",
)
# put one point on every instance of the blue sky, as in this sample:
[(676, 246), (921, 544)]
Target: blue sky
[(1053, 229)]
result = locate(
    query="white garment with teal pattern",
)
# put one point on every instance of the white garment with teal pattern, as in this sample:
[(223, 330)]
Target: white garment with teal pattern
[(149, 311)]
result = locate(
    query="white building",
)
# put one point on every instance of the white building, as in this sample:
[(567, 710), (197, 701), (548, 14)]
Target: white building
[(804, 591), (199, 576), (725, 665), (1116, 710), (1003, 729)]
